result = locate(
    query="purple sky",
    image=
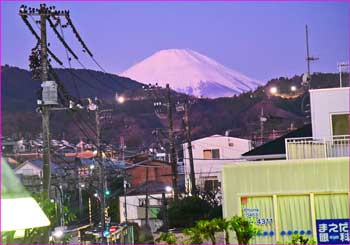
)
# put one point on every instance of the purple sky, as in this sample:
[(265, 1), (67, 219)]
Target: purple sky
[(261, 40)]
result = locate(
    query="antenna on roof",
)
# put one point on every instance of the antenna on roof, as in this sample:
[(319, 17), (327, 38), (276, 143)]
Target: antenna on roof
[(307, 76)]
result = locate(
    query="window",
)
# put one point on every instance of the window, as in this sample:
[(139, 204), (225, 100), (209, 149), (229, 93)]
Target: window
[(340, 124), (211, 183), (211, 154)]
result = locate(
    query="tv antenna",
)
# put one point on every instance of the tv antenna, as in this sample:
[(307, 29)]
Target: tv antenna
[(307, 76)]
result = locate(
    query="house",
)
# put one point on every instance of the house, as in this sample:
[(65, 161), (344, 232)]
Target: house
[(157, 194), (148, 170), (276, 149), (330, 119), (145, 177), (210, 154), (306, 194)]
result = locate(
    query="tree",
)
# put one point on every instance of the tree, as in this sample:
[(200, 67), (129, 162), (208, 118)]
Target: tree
[(204, 230), (38, 234), (168, 238), (244, 228), (185, 212), (299, 239)]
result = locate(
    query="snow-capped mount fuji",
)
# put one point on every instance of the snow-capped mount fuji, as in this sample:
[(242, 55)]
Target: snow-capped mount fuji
[(192, 73)]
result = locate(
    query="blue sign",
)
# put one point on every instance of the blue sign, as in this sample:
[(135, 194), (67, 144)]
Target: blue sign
[(333, 231), (106, 233)]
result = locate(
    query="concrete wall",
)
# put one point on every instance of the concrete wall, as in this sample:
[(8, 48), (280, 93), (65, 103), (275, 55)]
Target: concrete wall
[(324, 103), (229, 148)]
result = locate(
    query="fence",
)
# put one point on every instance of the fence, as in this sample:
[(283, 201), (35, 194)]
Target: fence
[(307, 148)]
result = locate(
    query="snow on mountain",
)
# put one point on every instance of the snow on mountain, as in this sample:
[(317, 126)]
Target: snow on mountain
[(190, 72)]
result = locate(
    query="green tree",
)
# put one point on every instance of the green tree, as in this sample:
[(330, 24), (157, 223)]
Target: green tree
[(167, 238), (244, 228), (52, 212), (299, 239), (185, 212), (205, 230)]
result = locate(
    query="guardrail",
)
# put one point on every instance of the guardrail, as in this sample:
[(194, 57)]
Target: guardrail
[(307, 148)]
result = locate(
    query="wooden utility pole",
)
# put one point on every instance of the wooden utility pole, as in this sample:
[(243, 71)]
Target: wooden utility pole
[(172, 143), (45, 109), (146, 207), (101, 167), (189, 148)]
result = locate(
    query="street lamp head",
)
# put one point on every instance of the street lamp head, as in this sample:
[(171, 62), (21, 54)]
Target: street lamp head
[(96, 195), (273, 90), (168, 189), (119, 98), (92, 166), (293, 88)]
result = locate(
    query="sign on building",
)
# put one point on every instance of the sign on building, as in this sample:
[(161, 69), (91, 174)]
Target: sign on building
[(333, 231)]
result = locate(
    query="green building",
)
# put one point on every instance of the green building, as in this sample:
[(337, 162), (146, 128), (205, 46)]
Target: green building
[(287, 197)]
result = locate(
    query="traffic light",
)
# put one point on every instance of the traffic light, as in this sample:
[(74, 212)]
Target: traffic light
[(107, 192)]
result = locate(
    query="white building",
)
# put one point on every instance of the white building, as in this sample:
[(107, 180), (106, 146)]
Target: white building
[(136, 209), (28, 168), (330, 111), (210, 154)]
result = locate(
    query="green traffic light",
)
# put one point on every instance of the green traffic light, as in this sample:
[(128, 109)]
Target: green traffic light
[(107, 192)]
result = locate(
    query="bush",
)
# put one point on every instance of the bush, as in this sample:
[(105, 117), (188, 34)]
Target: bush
[(299, 239), (185, 212)]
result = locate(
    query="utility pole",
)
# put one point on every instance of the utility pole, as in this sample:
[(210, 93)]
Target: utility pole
[(146, 208), (172, 142), (49, 93), (189, 148), (45, 109), (262, 120), (165, 212), (102, 175), (309, 58), (125, 204), (340, 68)]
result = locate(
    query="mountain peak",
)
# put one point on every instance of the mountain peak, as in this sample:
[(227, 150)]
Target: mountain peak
[(190, 72)]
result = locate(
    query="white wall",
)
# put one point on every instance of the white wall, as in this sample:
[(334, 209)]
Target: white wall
[(213, 167), (324, 103), (133, 206)]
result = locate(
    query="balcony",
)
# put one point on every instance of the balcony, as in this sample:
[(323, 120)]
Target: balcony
[(310, 148)]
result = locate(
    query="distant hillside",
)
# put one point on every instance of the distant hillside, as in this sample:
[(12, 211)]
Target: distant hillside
[(19, 90), (135, 119)]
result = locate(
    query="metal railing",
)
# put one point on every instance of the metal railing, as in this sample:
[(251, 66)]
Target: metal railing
[(307, 148)]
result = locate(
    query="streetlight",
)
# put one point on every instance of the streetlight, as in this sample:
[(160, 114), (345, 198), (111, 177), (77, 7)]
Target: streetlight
[(168, 189), (293, 88), (273, 90), (119, 98)]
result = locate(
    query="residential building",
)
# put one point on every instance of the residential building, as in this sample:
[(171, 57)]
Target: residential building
[(210, 154), (307, 194), (136, 205), (148, 170), (146, 177), (330, 126)]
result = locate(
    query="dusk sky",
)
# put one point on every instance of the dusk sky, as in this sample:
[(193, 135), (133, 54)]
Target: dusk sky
[(261, 40)]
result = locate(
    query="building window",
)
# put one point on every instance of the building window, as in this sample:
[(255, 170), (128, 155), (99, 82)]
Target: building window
[(340, 124), (211, 183), (211, 154)]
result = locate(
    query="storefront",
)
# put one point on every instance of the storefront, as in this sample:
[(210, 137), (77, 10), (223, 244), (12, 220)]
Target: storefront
[(306, 197)]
